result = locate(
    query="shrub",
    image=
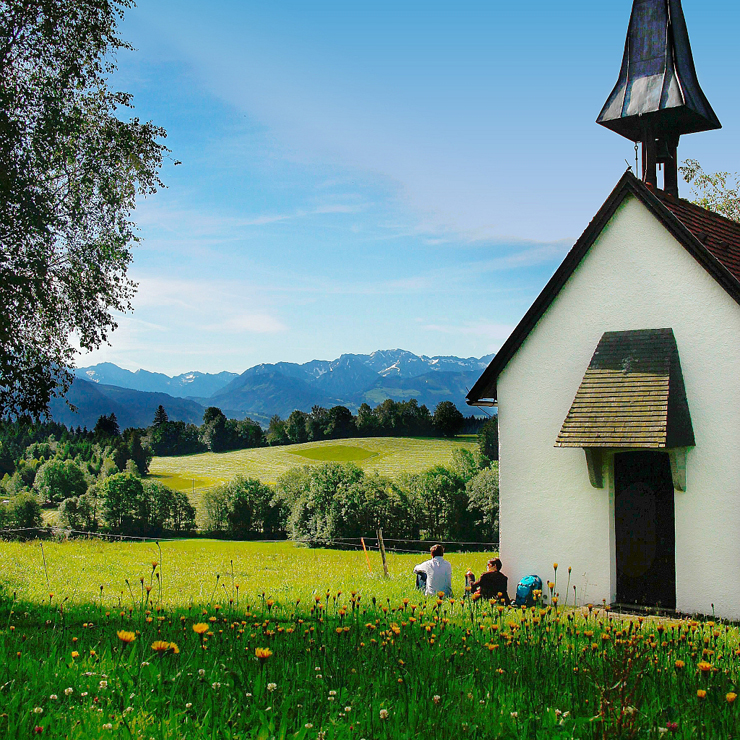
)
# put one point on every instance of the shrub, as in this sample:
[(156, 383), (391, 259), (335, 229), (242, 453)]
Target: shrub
[(80, 512), (57, 480), (24, 511), (483, 502), (243, 508), (122, 502)]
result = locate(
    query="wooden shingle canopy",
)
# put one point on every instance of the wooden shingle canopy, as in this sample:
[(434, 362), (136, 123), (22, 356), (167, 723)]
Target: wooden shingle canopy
[(632, 395), (714, 241)]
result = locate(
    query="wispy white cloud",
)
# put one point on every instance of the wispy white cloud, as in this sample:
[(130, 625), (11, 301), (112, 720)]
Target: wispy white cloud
[(258, 323)]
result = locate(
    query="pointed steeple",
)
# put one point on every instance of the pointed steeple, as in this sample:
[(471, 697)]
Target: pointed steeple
[(657, 96)]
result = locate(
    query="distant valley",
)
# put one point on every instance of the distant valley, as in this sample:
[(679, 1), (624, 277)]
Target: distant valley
[(268, 389)]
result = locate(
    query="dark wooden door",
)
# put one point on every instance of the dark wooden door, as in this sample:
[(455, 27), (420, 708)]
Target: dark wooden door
[(645, 529)]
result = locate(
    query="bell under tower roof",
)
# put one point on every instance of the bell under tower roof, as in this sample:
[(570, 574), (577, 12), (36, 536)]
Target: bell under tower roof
[(657, 82), (657, 97)]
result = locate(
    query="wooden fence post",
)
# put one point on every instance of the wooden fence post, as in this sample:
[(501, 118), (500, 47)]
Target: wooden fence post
[(382, 551)]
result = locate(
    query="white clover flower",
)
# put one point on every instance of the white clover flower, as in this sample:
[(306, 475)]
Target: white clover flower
[(128, 710), (514, 715), (482, 701), (331, 698), (332, 693), (319, 676), (271, 687), (38, 710), (201, 672), (189, 705), (84, 693), (145, 663), (248, 695), (108, 726), (308, 725), (436, 698), (103, 684), (53, 697), (348, 709), (215, 685), (383, 714), (68, 691)]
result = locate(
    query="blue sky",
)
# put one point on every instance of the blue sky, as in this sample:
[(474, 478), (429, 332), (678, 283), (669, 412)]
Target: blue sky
[(359, 176)]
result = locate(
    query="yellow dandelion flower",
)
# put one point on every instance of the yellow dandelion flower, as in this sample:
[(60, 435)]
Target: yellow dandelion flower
[(705, 667), (160, 646), (730, 697), (701, 694), (680, 665), (75, 654), (262, 654), (200, 628), (126, 637)]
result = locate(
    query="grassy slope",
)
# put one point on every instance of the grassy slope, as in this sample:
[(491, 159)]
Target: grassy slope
[(282, 570), (390, 456)]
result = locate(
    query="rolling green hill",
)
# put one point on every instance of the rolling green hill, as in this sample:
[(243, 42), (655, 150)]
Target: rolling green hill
[(390, 456)]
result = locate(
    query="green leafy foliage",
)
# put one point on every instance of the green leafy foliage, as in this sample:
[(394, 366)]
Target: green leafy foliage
[(447, 419), (718, 191), (57, 480), (72, 169), (244, 508)]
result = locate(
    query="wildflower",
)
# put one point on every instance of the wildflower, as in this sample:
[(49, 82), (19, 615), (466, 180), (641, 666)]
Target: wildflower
[(75, 654), (189, 705), (348, 709), (680, 665), (126, 637), (701, 694), (672, 726), (730, 697), (103, 685), (262, 654), (705, 667), (161, 647), (514, 715), (308, 726), (38, 730), (215, 685), (201, 672), (383, 714), (108, 726), (554, 566), (38, 710), (271, 687), (68, 692), (332, 693)]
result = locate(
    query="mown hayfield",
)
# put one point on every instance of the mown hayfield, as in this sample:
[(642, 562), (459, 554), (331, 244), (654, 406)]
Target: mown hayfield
[(389, 456), (312, 647)]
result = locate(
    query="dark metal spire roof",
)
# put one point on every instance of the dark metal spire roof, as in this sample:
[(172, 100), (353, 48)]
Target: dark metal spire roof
[(657, 86)]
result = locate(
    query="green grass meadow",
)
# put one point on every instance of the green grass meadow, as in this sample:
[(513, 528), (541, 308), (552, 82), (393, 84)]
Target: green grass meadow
[(308, 644)]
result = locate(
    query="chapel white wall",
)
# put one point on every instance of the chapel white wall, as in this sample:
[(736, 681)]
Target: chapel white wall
[(635, 276)]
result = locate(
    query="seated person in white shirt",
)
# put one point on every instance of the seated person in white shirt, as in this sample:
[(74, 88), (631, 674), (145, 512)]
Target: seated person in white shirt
[(438, 572)]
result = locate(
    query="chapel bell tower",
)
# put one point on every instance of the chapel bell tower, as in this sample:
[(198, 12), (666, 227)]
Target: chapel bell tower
[(657, 96)]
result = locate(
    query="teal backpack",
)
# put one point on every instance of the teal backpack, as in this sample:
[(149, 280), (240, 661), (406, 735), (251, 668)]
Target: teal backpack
[(525, 590)]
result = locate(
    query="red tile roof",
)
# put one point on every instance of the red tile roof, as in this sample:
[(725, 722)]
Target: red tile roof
[(718, 234)]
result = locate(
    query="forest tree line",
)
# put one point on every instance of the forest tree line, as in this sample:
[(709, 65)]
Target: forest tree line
[(87, 474)]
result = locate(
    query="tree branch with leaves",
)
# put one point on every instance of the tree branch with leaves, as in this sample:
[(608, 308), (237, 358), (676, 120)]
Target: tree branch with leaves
[(71, 168)]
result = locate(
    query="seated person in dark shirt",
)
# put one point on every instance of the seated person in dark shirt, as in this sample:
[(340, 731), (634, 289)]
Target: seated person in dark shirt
[(492, 584)]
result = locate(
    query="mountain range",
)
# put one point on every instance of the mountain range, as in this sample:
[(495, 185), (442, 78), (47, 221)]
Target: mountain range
[(268, 389)]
